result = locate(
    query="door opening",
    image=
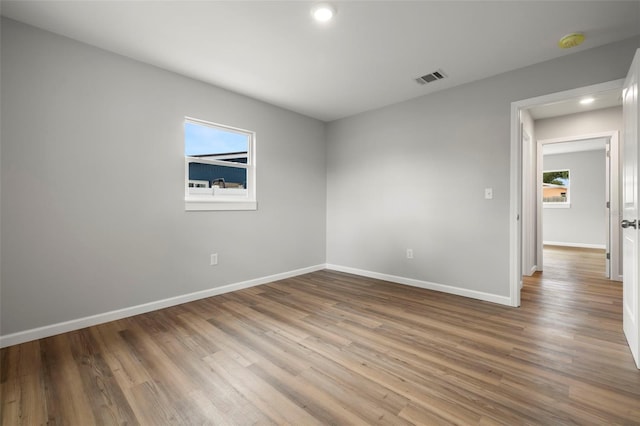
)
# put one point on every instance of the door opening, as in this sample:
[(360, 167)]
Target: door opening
[(577, 196), (520, 208), (627, 218)]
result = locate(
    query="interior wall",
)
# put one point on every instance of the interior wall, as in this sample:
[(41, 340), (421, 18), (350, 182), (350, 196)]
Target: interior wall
[(597, 121), (584, 222), (413, 174), (92, 168), (94, 217)]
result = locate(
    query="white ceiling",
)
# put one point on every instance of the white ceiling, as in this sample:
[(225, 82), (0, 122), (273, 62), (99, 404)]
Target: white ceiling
[(366, 58)]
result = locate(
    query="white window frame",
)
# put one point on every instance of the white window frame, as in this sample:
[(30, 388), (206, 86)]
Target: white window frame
[(559, 205), (222, 198)]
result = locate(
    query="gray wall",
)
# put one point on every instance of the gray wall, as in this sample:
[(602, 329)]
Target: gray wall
[(92, 184), (601, 120), (412, 175), (585, 221)]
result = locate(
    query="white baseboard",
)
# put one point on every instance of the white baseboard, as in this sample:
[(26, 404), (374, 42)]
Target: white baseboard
[(579, 245), (76, 324), (528, 271), (488, 297)]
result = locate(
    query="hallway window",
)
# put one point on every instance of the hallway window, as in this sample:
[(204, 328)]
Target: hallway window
[(555, 188)]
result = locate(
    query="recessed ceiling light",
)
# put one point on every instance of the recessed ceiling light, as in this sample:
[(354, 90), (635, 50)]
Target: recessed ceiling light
[(571, 40), (323, 12), (587, 101)]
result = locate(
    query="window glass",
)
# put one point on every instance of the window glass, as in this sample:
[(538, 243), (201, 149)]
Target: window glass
[(206, 141), (555, 186), (219, 166)]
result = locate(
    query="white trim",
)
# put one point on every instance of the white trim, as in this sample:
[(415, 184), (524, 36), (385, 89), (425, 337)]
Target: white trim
[(515, 172), (556, 205), (215, 125), (579, 245), (487, 297), (215, 162), (242, 154), (76, 324), (209, 205), (533, 270), (528, 199), (577, 138), (515, 192)]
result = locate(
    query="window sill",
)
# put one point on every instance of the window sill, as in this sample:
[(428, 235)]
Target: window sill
[(556, 205), (213, 205)]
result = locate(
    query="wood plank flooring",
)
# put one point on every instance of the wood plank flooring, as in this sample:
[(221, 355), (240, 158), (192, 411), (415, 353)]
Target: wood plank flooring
[(574, 264), (332, 348)]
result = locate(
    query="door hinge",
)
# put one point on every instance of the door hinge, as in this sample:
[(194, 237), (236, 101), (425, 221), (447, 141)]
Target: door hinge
[(608, 204), (608, 154), (608, 256)]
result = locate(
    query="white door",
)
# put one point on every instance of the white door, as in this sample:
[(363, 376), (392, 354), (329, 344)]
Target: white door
[(630, 188)]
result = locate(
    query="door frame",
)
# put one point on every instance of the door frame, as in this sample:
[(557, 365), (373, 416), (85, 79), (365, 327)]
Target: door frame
[(529, 207), (612, 195), (515, 178)]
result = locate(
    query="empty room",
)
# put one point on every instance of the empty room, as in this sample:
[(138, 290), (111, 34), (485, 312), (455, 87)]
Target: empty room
[(296, 212)]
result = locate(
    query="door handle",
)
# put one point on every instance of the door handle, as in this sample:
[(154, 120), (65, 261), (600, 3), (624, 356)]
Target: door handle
[(628, 223)]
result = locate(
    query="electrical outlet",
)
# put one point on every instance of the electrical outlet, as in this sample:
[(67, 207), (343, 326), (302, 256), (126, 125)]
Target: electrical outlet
[(214, 259), (409, 253), (488, 193)]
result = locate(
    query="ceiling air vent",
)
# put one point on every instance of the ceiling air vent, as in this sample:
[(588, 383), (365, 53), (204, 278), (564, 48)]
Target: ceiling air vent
[(428, 78)]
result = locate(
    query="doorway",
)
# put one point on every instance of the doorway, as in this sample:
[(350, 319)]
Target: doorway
[(521, 207), (577, 194)]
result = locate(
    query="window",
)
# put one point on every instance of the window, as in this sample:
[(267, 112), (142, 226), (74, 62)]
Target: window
[(555, 188), (219, 167)]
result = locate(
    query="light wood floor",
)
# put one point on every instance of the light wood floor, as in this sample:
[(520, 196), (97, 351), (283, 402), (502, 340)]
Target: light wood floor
[(331, 348), (571, 264)]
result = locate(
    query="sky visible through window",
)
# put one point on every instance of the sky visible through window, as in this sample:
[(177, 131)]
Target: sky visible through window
[(204, 140)]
